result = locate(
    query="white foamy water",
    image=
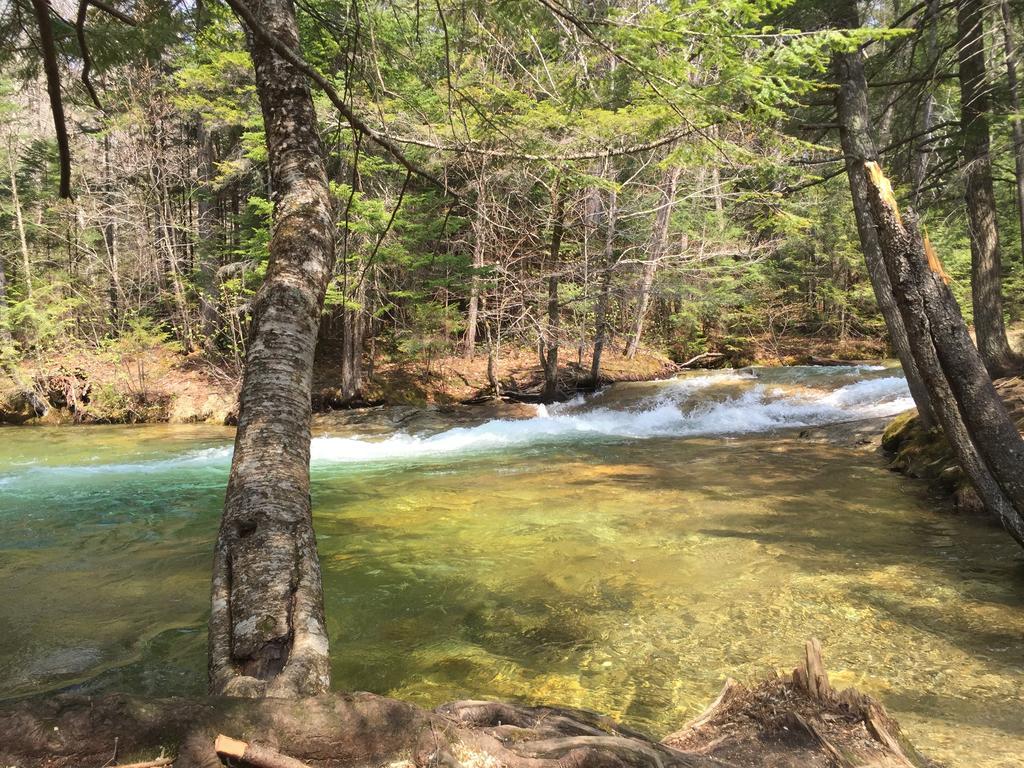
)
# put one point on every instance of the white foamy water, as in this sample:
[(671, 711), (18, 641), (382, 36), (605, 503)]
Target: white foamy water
[(671, 413), (721, 403)]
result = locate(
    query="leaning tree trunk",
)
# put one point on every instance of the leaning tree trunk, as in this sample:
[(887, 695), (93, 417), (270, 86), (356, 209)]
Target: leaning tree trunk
[(859, 147), (975, 421), (6, 341), (267, 633), (658, 244), (19, 221), (604, 296), (986, 260), (473, 309), (1017, 124), (549, 339), (921, 151), (207, 254)]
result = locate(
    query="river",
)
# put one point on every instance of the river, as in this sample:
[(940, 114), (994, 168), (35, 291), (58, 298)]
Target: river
[(623, 553)]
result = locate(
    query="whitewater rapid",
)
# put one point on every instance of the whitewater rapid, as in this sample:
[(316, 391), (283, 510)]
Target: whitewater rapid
[(722, 403), (675, 411)]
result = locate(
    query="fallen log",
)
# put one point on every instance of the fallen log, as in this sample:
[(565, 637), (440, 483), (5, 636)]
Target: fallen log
[(834, 362), (703, 356), (797, 720)]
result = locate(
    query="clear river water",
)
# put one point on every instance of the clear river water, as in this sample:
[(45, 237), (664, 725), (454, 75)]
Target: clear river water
[(623, 553)]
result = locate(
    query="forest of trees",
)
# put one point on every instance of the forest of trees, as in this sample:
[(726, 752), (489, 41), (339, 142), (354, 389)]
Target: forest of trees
[(257, 180), (557, 176)]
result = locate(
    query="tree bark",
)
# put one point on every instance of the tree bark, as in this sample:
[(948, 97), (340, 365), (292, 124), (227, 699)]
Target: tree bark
[(986, 260), (48, 49), (472, 311), (205, 213), (19, 222), (768, 724), (1017, 124), (5, 329), (973, 417), (859, 147), (352, 321), (659, 241), (549, 338), (267, 633), (110, 244), (919, 163), (603, 298)]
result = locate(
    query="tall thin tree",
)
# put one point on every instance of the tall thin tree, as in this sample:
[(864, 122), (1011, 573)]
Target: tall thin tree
[(267, 633)]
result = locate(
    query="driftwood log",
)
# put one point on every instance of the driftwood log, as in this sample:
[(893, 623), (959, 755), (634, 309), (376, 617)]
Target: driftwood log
[(787, 722)]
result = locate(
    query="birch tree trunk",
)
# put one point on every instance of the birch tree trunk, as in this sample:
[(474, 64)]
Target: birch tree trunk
[(859, 147), (659, 241), (19, 222), (603, 298), (267, 633), (919, 163), (986, 260), (1017, 124), (5, 329), (205, 213), (473, 310), (549, 339)]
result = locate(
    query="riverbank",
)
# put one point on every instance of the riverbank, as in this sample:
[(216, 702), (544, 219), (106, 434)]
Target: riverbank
[(787, 721), (924, 453), (156, 384)]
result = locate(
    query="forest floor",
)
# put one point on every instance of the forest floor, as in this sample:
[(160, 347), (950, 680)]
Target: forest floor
[(159, 384)]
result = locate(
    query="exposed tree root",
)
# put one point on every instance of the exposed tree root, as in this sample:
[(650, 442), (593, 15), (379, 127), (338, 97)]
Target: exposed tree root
[(782, 723)]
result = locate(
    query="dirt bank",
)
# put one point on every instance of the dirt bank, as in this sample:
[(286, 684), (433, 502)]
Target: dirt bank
[(160, 385), (155, 383)]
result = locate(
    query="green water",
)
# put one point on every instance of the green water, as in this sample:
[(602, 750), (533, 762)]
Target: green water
[(615, 573)]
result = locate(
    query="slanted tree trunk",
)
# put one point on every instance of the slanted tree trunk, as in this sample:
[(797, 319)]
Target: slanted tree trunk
[(986, 260), (205, 216), (1017, 124), (858, 147), (604, 296), (919, 162), (549, 338), (973, 417), (19, 221), (5, 329), (472, 311), (659, 241), (267, 633), (48, 51)]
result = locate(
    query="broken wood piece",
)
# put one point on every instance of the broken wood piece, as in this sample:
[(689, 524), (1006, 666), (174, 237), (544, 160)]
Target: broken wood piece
[(730, 691), (818, 685), (829, 748), (704, 356), (158, 762), (256, 755)]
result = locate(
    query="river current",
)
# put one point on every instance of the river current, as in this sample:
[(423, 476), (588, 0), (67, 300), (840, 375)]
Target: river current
[(623, 552)]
